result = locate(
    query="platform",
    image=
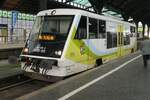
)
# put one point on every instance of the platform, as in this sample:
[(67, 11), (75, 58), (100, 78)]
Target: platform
[(8, 70), (11, 46), (7, 50), (120, 79)]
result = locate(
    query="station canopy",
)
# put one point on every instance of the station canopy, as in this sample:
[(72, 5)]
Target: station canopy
[(105, 11), (83, 2)]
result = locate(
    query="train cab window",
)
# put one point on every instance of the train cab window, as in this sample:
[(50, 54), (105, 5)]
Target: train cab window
[(82, 29), (93, 28), (102, 29)]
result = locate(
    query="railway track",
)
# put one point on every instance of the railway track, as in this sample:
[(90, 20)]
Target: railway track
[(15, 84), (12, 80), (11, 90), (19, 85)]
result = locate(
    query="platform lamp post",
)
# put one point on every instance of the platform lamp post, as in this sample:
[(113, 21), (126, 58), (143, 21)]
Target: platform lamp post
[(148, 30), (143, 30), (137, 27), (14, 18)]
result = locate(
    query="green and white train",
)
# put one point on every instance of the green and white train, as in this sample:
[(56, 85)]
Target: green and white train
[(63, 42)]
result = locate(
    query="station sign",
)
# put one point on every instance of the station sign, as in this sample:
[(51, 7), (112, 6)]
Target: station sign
[(14, 18), (21, 16)]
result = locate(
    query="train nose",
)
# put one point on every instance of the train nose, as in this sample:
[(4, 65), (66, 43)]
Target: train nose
[(44, 65)]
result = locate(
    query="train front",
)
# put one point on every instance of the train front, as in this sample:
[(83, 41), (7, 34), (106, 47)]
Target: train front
[(44, 47)]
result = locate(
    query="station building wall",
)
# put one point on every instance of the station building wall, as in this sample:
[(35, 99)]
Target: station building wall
[(22, 25)]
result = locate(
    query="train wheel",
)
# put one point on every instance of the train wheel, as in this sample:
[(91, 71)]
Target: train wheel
[(132, 50), (99, 62)]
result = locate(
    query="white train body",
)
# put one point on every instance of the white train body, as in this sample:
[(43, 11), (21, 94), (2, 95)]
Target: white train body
[(67, 41)]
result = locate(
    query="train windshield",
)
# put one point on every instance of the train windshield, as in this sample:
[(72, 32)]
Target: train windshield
[(48, 35)]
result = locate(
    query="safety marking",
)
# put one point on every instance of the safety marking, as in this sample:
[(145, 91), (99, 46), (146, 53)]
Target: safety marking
[(96, 80)]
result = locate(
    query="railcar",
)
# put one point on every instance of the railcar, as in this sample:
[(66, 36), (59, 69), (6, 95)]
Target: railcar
[(64, 42)]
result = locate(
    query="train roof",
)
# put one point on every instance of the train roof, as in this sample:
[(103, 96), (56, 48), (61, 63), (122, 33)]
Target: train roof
[(80, 12)]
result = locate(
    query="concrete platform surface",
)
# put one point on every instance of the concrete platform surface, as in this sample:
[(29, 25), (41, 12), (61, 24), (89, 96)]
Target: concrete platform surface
[(12, 46), (120, 79)]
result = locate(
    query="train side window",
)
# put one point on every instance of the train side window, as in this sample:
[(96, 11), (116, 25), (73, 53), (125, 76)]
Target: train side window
[(132, 31), (111, 40), (93, 28), (114, 39), (126, 39), (82, 29), (102, 29)]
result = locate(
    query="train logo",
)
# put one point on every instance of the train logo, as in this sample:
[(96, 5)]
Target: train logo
[(82, 49)]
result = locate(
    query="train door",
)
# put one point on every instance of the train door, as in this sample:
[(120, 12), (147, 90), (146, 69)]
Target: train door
[(93, 41), (81, 41), (120, 40)]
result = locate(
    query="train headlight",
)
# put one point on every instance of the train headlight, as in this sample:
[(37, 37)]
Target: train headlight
[(59, 52), (26, 50)]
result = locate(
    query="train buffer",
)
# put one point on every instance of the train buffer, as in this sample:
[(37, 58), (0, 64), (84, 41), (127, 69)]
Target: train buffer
[(123, 79)]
